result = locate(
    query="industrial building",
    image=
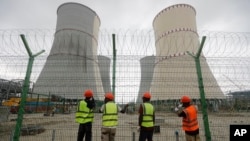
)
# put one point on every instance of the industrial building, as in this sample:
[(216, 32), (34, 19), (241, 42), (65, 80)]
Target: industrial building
[(175, 72), (72, 65)]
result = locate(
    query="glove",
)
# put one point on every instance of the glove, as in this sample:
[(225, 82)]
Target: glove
[(176, 109), (180, 105)]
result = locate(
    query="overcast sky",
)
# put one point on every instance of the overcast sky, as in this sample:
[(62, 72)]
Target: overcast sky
[(213, 15)]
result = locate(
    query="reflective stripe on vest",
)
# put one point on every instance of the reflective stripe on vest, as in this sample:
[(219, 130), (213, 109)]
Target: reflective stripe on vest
[(110, 114), (148, 112), (83, 113), (190, 123)]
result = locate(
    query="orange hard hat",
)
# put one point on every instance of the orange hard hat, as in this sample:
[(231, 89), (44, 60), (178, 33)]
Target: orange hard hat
[(147, 95), (88, 93), (185, 99), (109, 96)]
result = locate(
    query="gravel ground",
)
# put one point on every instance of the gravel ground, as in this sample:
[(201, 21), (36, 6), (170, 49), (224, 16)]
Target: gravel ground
[(62, 127)]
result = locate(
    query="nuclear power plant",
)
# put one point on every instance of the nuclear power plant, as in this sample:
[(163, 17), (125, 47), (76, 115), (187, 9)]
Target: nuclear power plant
[(175, 70), (73, 65)]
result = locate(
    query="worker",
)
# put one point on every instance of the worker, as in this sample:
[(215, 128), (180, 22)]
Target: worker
[(84, 116), (146, 118), (188, 112), (110, 112)]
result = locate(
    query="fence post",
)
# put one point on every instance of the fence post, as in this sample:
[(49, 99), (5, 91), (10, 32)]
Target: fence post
[(201, 89), (133, 136), (114, 65), (53, 134), (25, 89), (177, 135)]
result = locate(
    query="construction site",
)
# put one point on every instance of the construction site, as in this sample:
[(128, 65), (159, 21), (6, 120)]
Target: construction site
[(41, 70)]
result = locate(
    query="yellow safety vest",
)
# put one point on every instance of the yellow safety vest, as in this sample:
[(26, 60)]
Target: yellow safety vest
[(148, 112), (110, 115), (83, 113)]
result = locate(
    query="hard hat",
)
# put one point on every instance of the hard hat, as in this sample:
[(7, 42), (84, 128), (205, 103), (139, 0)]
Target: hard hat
[(147, 95), (88, 93), (185, 99), (109, 96)]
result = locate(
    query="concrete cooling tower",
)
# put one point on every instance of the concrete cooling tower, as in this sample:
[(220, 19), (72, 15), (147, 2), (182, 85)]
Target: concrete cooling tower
[(147, 69), (72, 65), (175, 71), (104, 66)]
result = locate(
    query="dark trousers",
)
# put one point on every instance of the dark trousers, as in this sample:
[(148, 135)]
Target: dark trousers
[(146, 134), (85, 130)]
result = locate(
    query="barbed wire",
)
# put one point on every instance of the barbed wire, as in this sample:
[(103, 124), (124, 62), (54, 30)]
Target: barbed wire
[(227, 54), (128, 42)]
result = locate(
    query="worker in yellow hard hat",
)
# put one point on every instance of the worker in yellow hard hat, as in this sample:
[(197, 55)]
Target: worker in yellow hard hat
[(84, 116), (189, 114), (146, 118), (110, 112)]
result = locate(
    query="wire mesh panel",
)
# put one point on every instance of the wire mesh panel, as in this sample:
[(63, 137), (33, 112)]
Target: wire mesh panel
[(225, 56)]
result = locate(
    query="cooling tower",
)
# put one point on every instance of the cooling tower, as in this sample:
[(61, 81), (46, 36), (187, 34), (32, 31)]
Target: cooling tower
[(104, 66), (72, 65), (147, 69), (175, 71)]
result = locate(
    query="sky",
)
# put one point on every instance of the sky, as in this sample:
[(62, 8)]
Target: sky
[(212, 15)]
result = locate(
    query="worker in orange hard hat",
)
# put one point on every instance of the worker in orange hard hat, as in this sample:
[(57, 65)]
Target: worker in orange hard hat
[(147, 95), (146, 118), (109, 97), (84, 116), (189, 115), (185, 99), (88, 93), (110, 117)]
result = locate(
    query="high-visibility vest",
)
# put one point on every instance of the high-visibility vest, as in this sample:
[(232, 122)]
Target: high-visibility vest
[(148, 113), (110, 114), (83, 113), (190, 122)]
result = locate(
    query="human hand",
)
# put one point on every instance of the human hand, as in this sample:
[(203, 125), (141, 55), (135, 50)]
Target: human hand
[(138, 128), (180, 105), (176, 109)]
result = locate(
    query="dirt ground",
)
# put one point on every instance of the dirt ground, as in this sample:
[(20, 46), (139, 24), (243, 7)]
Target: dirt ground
[(62, 127)]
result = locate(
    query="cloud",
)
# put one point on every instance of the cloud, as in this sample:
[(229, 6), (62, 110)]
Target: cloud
[(137, 14), (224, 15)]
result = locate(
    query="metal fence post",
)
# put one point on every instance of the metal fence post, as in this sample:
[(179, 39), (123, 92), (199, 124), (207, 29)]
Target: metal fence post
[(53, 134), (25, 89), (201, 89), (133, 136), (177, 135)]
